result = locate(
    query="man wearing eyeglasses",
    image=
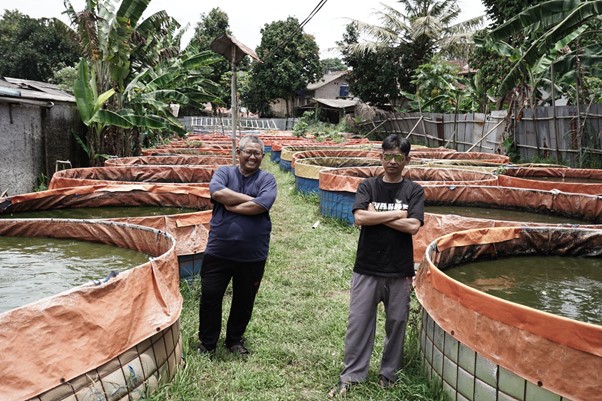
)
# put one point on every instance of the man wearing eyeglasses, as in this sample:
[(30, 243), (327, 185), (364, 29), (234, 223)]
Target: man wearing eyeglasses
[(390, 210), (238, 246)]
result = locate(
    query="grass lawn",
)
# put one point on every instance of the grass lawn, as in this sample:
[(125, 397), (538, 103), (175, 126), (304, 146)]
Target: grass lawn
[(298, 326)]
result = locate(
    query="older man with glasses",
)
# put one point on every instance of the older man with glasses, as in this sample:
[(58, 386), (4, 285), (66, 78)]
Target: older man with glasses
[(389, 209), (238, 246)]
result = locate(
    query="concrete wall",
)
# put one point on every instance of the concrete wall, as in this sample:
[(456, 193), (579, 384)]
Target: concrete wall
[(32, 138), (331, 89)]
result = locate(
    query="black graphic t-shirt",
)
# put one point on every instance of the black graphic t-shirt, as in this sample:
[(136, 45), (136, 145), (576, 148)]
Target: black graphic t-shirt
[(383, 251)]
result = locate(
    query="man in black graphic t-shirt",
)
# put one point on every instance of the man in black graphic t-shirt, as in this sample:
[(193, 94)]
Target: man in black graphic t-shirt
[(389, 209)]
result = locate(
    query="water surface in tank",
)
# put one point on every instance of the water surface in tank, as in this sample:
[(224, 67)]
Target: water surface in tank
[(32, 268), (566, 286), (502, 214)]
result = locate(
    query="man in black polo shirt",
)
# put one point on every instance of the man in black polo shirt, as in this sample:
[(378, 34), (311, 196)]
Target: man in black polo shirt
[(389, 209)]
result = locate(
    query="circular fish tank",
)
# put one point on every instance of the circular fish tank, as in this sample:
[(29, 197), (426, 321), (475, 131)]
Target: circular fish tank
[(181, 211), (82, 343), (347, 152), (278, 146), (461, 156), (169, 160), (585, 181), (124, 175), (288, 152), (337, 193), (307, 171), (186, 151), (484, 347), (337, 187), (569, 208)]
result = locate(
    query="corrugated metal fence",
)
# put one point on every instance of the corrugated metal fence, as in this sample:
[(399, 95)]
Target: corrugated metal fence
[(545, 132)]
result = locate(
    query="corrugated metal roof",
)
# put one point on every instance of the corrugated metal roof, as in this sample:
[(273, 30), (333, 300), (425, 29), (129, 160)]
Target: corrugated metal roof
[(326, 79), (33, 90), (338, 103)]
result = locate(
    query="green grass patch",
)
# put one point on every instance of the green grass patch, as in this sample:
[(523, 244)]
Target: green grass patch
[(297, 331)]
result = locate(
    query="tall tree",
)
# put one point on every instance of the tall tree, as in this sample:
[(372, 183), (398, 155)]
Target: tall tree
[(210, 27), (33, 48), (291, 61), (333, 64), (376, 76), (414, 33)]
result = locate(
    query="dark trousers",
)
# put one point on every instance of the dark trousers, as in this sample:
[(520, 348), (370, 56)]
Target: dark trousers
[(216, 274)]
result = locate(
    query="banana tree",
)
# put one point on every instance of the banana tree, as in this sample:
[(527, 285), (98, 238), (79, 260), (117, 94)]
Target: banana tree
[(549, 46), (120, 52), (545, 31), (181, 81)]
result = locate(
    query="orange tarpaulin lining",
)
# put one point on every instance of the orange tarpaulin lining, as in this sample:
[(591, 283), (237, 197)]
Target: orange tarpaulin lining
[(47, 342), (517, 176), (278, 145), (536, 345), (483, 157), (169, 160), (580, 206), (114, 175), (556, 171), (186, 151), (289, 152), (348, 179), (311, 167), (191, 230), (199, 144), (575, 187)]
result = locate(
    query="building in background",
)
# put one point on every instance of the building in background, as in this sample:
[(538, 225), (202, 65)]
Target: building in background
[(38, 126)]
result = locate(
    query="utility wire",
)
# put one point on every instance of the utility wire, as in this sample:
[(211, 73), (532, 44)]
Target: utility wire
[(313, 13)]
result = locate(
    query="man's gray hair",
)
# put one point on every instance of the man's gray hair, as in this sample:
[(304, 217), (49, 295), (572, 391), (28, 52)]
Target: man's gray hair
[(249, 139)]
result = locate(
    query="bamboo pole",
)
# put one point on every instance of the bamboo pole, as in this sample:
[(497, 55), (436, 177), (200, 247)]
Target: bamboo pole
[(484, 136)]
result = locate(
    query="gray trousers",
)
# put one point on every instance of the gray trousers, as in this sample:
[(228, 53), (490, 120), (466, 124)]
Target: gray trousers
[(366, 293)]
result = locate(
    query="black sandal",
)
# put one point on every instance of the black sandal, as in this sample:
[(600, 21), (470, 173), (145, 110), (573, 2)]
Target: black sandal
[(238, 349)]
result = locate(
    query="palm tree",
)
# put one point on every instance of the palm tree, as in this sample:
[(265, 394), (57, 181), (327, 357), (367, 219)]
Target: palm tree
[(423, 27), (415, 32)]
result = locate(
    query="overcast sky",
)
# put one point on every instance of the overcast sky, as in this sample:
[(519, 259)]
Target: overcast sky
[(248, 17)]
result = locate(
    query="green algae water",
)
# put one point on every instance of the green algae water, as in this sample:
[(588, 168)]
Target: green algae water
[(32, 268), (503, 214), (566, 286), (99, 212)]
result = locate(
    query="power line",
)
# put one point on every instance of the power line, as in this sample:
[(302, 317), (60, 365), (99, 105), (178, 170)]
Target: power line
[(312, 14)]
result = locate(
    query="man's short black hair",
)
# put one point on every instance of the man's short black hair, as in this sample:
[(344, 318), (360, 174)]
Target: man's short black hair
[(395, 141)]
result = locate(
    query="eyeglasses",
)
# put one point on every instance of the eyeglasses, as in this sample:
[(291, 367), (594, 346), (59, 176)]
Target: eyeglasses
[(252, 153), (390, 156)]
